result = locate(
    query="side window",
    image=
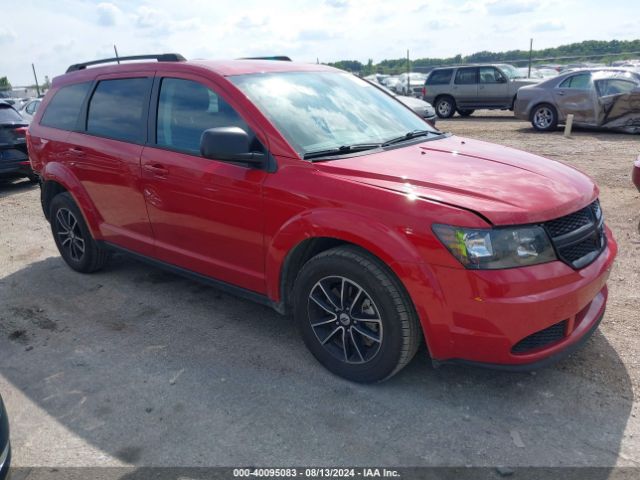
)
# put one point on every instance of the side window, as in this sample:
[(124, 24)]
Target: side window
[(440, 77), (186, 109), (466, 76), (31, 108), (614, 86), (491, 75), (64, 108), (116, 109), (577, 81)]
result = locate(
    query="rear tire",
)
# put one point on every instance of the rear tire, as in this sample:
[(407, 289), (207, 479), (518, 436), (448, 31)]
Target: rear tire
[(465, 113), (544, 117), (355, 316), (445, 107), (73, 238)]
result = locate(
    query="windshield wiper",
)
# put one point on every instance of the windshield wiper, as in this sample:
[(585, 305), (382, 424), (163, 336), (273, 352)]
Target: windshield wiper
[(342, 150), (407, 136)]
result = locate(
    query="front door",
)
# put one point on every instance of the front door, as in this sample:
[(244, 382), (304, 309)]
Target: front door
[(493, 88), (576, 95), (206, 215)]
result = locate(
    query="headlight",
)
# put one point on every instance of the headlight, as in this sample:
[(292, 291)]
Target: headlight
[(495, 248)]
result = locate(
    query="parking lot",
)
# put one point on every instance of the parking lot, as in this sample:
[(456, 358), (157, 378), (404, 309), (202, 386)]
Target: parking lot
[(135, 366)]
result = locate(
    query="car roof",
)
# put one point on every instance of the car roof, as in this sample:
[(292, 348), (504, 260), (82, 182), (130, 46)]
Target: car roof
[(222, 68)]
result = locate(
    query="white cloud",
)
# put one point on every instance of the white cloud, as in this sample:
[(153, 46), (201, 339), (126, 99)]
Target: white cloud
[(6, 35), (511, 7), (548, 26), (337, 3), (108, 14)]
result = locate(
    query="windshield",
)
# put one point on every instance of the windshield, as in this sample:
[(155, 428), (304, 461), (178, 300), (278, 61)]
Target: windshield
[(511, 72), (324, 110)]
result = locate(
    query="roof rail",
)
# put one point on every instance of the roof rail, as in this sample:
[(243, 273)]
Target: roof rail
[(281, 58), (163, 57)]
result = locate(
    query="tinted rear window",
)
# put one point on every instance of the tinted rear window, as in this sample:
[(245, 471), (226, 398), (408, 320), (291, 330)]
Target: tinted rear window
[(117, 109), (63, 109), (9, 115), (440, 77)]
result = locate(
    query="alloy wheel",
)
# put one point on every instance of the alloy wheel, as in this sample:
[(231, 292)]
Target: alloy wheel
[(345, 319), (69, 234), (543, 117), (444, 108)]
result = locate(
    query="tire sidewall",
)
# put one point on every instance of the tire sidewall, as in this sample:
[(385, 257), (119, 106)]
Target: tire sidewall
[(387, 358), (64, 200), (452, 105)]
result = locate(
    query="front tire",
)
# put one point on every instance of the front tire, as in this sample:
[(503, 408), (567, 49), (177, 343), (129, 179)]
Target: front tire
[(465, 113), (73, 238), (544, 118), (445, 107), (355, 316)]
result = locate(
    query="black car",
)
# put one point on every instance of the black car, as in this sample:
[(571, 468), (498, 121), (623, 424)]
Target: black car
[(14, 161), (5, 447)]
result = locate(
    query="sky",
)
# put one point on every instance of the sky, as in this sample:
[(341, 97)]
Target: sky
[(57, 33)]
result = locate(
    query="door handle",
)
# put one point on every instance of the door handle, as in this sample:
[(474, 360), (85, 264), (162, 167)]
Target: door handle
[(560, 93), (156, 169)]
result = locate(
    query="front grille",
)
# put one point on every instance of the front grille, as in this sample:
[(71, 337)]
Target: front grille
[(578, 237), (541, 339)]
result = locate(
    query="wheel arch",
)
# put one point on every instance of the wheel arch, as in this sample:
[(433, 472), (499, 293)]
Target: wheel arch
[(56, 179), (314, 232)]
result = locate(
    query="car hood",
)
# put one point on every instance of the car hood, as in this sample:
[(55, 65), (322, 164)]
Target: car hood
[(504, 185)]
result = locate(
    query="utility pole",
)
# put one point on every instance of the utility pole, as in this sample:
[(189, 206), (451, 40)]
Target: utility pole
[(36, 77), (116, 50), (530, 54), (408, 62)]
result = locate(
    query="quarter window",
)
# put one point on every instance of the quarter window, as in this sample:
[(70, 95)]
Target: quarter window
[(466, 76), (64, 108), (186, 109), (577, 81), (440, 77), (117, 109)]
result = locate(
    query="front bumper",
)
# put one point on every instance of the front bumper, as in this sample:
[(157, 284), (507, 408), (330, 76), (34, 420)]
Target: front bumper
[(479, 317), (431, 119)]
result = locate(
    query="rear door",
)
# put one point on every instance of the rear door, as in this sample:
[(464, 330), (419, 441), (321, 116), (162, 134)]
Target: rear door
[(576, 95), (206, 214), (465, 86), (493, 89), (105, 157)]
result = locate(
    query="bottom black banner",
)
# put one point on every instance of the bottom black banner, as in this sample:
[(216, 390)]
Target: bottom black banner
[(404, 473)]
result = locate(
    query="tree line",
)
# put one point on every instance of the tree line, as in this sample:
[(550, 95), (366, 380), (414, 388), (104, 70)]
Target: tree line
[(604, 51)]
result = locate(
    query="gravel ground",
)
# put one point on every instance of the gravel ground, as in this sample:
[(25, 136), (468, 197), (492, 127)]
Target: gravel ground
[(135, 366)]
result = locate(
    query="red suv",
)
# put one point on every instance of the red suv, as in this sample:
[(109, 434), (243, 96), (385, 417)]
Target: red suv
[(307, 189)]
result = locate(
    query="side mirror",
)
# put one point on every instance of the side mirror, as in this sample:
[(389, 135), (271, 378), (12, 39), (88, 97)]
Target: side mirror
[(229, 144)]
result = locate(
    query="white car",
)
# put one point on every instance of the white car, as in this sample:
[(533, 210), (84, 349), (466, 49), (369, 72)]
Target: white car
[(28, 110)]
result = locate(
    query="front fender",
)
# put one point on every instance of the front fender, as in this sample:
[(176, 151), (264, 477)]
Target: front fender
[(389, 245), (59, 173)]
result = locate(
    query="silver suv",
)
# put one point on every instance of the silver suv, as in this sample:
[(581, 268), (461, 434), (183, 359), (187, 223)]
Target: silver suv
[(466, 88)]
